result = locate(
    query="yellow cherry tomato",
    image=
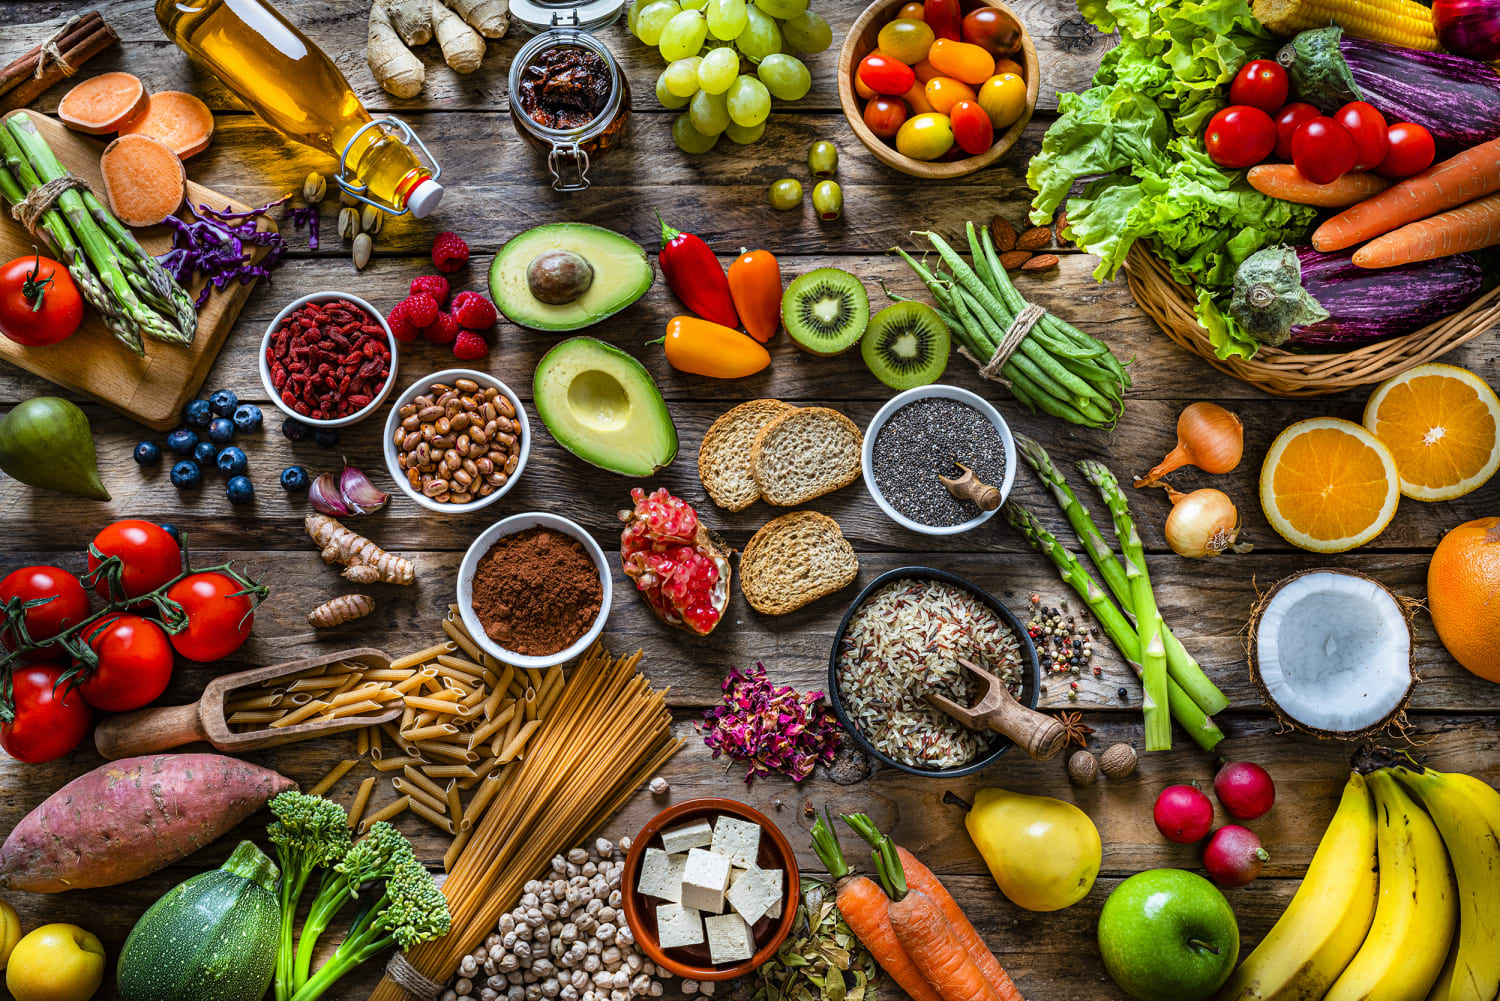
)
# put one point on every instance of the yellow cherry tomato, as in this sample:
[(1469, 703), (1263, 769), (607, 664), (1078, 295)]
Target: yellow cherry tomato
[(56, 963), (912, 12), (917, 98), (925, 71), (962, 61), (925, 137), (1003, 98), (906, 40), (944, 92), (10, 931), (1009, 66)]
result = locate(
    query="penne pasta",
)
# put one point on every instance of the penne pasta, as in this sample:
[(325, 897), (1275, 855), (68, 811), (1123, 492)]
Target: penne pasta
[(328, 781), (384, 813), (413, 660), (434, 817), (391, 764), (361, 799), (519, 741), (257, 716), (301, 713)]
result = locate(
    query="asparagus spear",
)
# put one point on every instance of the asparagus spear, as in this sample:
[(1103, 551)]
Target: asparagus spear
[(1200, 727)]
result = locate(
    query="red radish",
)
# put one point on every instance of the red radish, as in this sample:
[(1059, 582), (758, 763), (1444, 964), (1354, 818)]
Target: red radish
[(1245, 789), (1183, 814), (1233, 856)]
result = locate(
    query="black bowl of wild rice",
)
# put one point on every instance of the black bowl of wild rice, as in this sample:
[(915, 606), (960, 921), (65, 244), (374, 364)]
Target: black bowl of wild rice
[(903, 636)]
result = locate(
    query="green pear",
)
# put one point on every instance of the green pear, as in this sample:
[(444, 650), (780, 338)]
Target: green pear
[(46, 442)]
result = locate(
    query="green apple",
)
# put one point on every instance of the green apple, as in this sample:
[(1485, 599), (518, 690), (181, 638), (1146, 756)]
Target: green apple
[(1168, 935)]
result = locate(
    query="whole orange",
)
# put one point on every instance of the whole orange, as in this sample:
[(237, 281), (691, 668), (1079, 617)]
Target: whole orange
[(1463, 593)]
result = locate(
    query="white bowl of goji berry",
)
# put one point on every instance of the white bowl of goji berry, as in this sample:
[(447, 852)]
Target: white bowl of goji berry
[(334, 329)]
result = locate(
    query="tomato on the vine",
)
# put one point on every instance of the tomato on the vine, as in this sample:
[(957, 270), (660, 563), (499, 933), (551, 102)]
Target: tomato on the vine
[(50, 719), (39, 304), (1239, 136), (1366, 126), (1323, 150), (67, 604), (1260, 83), (885, 75), (135, 663), (1287, 121), (149, 554), (1411, 151), (219, 619), (884, 116)]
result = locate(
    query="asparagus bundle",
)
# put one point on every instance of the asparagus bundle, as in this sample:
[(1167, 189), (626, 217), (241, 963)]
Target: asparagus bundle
[(114, 274)]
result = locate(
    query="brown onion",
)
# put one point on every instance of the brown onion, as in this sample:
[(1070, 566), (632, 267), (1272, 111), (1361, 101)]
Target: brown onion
[(1202, 523), (1208, 436)]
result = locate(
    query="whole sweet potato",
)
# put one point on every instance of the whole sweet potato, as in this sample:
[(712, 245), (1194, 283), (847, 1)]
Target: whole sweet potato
[(131, 817)]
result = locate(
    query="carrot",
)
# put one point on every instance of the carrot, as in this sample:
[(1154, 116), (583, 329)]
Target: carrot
[(1284, 181), (1471, 227), (103, 103), (180, 120), (1471, 174), (143, 179)]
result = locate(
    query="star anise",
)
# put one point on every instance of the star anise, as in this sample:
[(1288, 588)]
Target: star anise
[(1076, 730)]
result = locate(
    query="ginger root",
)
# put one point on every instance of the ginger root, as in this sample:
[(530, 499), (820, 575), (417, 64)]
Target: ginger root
[(412, 20), (345, 608), (490, 18), (394, 65), (463, 47), (339, 545)]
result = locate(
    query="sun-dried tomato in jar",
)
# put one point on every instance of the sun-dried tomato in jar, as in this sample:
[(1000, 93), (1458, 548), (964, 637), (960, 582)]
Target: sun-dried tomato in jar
[(565, 87), (571, 101)]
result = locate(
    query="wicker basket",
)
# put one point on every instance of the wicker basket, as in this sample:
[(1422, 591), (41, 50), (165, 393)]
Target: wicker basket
[(1287, 373)]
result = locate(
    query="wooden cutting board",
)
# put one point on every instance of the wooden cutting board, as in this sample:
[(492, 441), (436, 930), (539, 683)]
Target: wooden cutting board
[(92, 362)]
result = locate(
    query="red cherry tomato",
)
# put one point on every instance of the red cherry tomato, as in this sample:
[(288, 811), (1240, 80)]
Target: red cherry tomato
[(944, 17), (1260, 83), (993, 30), (219, 619), (67, 604), (50, 719), (1411, 151), (972, 129), (150, 555), (1287, 121), (135, 663), (39, 304), (1239, 136), (884, 75), (1323, 150), (884, 116), (1367, 128)]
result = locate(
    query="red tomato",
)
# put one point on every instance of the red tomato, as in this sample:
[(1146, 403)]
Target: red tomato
[(1287, 120), (1411, 151), (1366, 127), (135, 663), (1239, 136), (1323, 150), (150, 555), (972, 130), (944, 17), (993, 30), (67, 604), (884, 75), (1260, 83), (50, 720), (219, 619), (39, 303), (884, 116)]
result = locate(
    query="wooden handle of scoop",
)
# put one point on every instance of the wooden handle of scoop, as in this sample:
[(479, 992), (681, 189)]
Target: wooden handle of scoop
[(969, 487), (1038, 734), (147, 731)]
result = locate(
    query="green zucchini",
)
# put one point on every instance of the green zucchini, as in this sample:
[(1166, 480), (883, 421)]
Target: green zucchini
[(211, 938)]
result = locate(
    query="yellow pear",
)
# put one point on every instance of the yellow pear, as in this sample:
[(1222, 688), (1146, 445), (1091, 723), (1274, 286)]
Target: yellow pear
[(1043, 852)]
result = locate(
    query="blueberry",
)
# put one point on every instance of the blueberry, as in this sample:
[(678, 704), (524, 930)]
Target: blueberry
[(186, 475), (205, 452), (247, 417), (232, 460), (197, 413), (172, 531), (182, 441), (221, 429), (223, 402), (240, 490), (294, 429), (147, 453), (294, 479), (325, 437)]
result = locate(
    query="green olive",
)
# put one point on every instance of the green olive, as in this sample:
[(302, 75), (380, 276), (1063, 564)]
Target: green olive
[(786, 194), (828, 200), (823, 159)]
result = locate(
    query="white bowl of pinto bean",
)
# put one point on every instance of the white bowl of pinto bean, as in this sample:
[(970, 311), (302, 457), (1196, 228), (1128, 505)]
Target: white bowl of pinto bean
[(457, 440)]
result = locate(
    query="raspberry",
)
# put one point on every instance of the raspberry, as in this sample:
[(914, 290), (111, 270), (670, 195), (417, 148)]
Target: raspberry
[(421, 307), (400, 322), (434, 285), (442, 330), (449, 252), (474, 311), (470, 346)]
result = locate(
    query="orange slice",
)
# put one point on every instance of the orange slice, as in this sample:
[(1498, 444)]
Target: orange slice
[(1328, 485), (1442, 424)]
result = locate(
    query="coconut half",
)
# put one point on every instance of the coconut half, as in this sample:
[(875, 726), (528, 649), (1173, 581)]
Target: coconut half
[(1331, 651)]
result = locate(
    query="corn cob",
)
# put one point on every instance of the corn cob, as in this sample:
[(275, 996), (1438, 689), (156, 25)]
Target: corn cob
[(1398, 22)]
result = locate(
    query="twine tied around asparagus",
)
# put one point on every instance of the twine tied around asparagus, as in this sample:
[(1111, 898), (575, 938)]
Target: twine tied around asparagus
[(29, 210), (1014, 335), (411, 979), (49, 50)]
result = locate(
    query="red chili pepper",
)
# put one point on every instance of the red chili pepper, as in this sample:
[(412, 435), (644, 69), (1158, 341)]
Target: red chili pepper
[(695, 275), (944, 17)]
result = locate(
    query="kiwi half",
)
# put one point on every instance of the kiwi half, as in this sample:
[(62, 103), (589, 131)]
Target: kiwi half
[(906, 345), (825, 311)]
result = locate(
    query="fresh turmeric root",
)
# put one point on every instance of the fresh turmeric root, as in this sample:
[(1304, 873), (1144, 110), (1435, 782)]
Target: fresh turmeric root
[(463, 47), (394, 66), (359, 554), (345, 608)]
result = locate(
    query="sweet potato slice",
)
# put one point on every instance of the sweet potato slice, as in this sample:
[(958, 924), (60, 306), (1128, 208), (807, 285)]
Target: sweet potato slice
[(104, 103), (143, 178), (180, 120)]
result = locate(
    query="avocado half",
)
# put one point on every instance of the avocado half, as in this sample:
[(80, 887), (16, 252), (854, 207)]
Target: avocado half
[(601, 405), (621, 274)]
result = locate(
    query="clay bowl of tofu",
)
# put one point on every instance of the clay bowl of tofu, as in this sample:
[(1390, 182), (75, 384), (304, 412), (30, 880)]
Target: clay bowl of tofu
[(710, 889)]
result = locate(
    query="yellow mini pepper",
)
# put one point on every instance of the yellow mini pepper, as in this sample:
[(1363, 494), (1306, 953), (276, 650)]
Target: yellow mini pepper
[(712, 349)]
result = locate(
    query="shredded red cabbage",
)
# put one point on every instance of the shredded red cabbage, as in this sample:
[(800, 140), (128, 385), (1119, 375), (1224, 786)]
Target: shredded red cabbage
[(213, 245), (773, 728)]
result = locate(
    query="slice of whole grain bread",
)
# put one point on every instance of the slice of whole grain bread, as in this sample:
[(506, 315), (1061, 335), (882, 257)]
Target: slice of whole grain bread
[(805, 453), (794, 560), (724, 456)]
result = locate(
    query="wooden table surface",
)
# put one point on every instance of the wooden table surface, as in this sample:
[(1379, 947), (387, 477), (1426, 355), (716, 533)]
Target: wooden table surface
[(494, 189)]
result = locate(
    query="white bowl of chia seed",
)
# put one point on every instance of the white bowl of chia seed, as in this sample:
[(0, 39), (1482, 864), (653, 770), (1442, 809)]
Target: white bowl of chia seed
[(917, 437)]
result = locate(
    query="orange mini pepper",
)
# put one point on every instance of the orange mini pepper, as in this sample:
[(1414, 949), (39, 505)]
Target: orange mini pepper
[(755, 284), (703, 347)]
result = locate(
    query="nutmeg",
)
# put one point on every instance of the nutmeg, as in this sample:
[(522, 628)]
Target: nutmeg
[(1083, 768), (1118, 761)]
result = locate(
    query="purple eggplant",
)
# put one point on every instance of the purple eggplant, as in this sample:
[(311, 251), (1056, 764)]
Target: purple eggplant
[(1456, 99), (1299, 296)]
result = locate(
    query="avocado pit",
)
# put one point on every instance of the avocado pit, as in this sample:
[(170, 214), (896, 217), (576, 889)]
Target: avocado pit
[(557, 277)]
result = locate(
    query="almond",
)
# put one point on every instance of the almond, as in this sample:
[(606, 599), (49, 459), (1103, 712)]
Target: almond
[(1004, 234), (1062, 224), (1013, 259), (1034, 238), (1042, 262)]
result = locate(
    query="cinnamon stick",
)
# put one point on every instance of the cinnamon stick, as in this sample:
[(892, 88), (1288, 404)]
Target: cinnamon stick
[(24, 68), (19, 83)]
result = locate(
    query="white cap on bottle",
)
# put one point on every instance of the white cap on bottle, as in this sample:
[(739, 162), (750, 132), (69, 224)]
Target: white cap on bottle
[(424, 198)]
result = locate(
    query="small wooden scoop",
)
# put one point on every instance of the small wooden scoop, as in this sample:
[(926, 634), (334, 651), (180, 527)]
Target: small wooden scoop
[(1038, 734), (970, 488), (147, 731)]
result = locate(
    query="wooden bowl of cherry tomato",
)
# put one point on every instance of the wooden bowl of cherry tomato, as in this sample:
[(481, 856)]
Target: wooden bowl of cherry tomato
[(938, 88)]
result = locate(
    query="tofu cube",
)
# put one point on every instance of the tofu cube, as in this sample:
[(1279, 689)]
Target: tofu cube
[(753, 893), (738, 840), (778, 883), (704, 880), (661, 875), (680, 839), (677, 926), (729, 939)]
